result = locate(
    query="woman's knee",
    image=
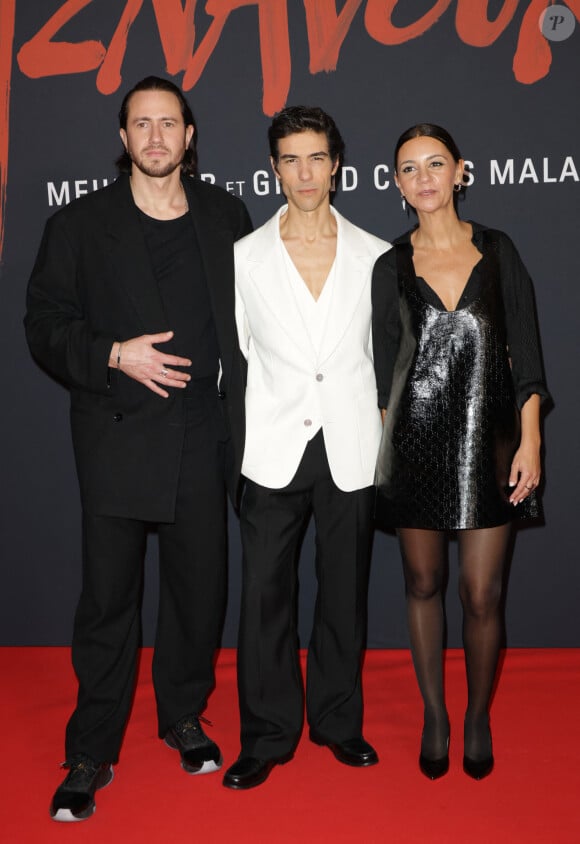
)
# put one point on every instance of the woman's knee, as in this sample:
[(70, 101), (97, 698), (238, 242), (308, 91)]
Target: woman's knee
[(482, 599), (423, 585)]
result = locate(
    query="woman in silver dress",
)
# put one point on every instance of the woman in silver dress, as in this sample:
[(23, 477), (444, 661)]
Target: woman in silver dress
[(460, 383)]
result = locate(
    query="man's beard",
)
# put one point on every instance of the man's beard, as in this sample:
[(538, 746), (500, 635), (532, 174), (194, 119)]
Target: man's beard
[(158, 169)]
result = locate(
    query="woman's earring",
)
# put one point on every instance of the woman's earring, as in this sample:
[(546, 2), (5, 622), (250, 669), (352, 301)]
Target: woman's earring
[(457, 188), (403, 202)]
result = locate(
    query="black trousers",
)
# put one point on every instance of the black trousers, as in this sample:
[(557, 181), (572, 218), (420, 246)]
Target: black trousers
[(192, 581), (269, 679)]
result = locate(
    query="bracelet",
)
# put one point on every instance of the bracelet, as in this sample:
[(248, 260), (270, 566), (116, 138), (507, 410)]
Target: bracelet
[(119, 356)]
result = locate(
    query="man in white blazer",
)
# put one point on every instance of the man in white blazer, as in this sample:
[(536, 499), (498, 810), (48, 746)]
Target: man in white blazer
[(303, 312)]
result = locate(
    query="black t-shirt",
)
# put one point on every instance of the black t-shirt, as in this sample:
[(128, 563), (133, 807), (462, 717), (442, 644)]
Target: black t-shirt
[(178, 268)]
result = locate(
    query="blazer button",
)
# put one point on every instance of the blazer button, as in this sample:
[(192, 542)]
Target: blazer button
[(221, 394), (308, 422), (118, 417), (320, 377)]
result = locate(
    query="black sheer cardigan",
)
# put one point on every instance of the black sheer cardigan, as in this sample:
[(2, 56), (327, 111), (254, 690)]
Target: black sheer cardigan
[(519, 305)]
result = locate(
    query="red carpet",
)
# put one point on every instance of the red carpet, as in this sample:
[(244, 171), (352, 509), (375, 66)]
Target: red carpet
[(532, 796)]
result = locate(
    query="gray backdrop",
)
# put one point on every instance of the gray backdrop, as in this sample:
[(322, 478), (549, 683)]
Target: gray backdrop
[(482, 69)]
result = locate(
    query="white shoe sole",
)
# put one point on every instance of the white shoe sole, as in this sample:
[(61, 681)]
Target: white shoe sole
[(207, 768), (66, 816)]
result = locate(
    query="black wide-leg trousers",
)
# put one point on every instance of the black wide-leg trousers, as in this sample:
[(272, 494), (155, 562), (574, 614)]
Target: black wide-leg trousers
[(269, 680), (192, 582)]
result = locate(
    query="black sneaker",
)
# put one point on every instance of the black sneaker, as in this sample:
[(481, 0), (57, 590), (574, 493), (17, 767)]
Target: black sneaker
[(199, 754), (74, 799)]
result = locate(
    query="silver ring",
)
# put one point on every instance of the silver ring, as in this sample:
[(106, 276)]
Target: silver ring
[(163, 373)]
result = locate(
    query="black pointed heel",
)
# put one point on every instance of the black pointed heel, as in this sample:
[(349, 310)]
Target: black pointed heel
[(434, 768), (478, 768)]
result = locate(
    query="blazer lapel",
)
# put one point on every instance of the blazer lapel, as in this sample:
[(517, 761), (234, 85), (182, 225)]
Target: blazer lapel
[(130, 261), (214, 238), (351, 278), (267, 269)]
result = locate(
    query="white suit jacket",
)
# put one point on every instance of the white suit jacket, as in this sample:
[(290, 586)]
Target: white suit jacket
[(288, 383)]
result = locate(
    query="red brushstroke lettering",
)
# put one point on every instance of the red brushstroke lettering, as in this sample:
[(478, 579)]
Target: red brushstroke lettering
[(109, 75), (274, 47), (473, 26), (380, 26), (176, 25), (327, 31), (43, 57), (533, 54), (7, 17), (177, 31)]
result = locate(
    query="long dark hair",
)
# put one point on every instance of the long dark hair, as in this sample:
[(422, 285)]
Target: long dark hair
[(156, 83)]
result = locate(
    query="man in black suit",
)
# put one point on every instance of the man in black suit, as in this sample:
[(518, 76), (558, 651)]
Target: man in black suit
[(131, 305)]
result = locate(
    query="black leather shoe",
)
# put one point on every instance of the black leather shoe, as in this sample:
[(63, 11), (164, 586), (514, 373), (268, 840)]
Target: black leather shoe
[(249, 772), (74, 799), (356, 752), (199, 754), (478, 768), (434, 768)]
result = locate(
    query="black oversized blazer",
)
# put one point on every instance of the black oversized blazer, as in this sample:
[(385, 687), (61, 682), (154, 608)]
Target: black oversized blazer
[(92, 284)]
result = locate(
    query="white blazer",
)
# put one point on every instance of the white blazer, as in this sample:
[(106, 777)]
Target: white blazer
[(288, 383)]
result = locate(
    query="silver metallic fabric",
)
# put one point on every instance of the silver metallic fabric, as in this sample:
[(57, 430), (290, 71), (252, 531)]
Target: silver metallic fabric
[(452, 424)]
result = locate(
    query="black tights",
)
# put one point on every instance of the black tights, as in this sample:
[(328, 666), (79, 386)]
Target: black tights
[(481, 562)]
